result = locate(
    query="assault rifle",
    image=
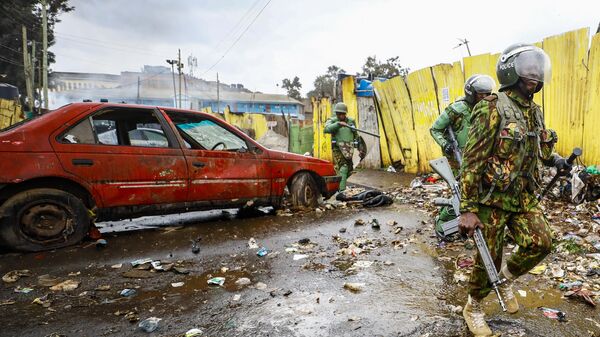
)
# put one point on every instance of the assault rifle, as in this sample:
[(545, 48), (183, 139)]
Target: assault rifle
[(363, 131), (442, 167), (455, 149)]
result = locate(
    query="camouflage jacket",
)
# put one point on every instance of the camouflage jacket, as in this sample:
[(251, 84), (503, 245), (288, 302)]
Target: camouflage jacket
[(457, 116), (503, 151), (340, 133)]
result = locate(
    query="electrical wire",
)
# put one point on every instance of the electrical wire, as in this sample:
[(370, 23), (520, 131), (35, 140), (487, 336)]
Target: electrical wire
[(13, 62), (90, 42), (238, 39)]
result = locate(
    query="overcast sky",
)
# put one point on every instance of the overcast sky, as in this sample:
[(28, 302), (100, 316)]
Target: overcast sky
[(299, 37)]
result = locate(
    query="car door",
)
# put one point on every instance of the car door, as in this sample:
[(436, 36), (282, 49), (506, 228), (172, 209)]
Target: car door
[(222, 168), (105, 149)]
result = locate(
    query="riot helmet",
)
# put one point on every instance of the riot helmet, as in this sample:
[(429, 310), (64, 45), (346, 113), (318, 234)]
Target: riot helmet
[(478, 84), (526, 61), (340, 108)]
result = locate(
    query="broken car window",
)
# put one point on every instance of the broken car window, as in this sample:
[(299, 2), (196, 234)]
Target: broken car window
[(207, 133)]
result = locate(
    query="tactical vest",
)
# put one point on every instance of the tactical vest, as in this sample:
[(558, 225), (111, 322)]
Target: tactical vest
[(516, 150), (461, 124)]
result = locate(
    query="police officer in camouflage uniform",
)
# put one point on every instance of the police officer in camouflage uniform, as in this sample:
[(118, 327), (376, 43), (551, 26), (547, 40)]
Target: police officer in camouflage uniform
[(500, 177), (456, 116), (342, 141)]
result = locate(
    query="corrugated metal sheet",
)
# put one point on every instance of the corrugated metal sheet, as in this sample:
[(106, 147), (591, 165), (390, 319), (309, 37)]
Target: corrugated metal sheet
[(383, 145), (591, 114), (10, 112), (425, 112), (404, 124), (322, 143), (564, 95), (349, 97), (367, 118), (255, 122), (449, 82), (385, 111)]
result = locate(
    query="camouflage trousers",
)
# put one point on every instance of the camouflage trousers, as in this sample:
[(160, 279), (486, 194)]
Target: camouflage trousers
[(343, 166), (531, 233)]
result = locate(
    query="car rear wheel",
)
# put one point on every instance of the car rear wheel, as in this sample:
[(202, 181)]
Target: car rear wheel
[(304, 191), (42, 219)]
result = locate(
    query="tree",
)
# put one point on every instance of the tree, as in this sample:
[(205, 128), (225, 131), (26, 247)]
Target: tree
[(14, 14), (390, 68), (324, 84), (293, 87)]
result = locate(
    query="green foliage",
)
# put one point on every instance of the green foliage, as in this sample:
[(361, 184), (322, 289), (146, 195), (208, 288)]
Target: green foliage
[(14, 14), (572, 247), (293, 87), (388, 69), (324, 85)]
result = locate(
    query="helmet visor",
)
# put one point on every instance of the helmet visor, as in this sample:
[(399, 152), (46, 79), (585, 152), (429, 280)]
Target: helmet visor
[(533, 64), (484, 84)]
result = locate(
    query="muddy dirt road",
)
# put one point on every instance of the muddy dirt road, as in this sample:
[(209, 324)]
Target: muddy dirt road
[(297, 289)]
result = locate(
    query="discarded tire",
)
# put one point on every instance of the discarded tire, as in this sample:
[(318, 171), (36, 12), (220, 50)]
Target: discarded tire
[(42, 219)]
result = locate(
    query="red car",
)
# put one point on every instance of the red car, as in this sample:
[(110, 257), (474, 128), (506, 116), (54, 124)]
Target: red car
[(99, 161)]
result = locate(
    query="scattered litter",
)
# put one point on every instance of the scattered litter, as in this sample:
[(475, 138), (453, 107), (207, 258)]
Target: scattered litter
[(362, 264), (460, 277), (140, 262), (262, 252), (149, 324), (23, 290), (105, 287), (391, 169), (355, 287), (218, 281), (522, 293), (252, 244), (304, 241), (101, 243), (224, 270), (7, 302), (464, 262), (557, 271), (48, 280), (260, 286), (132, 316), (343, 230), (570, 285), (193, 333), (177, 284), (15, 275), (117, 266), (44, 301), (539, 269), (196, 245), (156, 265), (127, 292), (67, 285), (236, 297), (300, 257), (242, 281), (457, 309), (359, 222), (375, 224), (388, 263), (554, 314), (291, 250), (583, 295)]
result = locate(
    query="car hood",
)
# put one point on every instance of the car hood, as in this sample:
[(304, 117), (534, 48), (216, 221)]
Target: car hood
[(281, 155)]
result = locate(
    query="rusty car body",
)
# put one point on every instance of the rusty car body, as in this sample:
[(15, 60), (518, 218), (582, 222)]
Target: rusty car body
[(89, 162)]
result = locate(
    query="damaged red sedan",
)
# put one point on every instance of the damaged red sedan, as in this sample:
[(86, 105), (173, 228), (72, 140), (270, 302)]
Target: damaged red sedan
[(89, 162)]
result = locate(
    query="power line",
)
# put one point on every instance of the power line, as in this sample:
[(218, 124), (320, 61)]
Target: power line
[(7, 60), (92, 42), (238, 39), (237, 24), (9, 48)]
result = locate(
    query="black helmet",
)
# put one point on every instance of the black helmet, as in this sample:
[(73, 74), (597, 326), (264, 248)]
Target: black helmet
[(523, 60), (478, 84)]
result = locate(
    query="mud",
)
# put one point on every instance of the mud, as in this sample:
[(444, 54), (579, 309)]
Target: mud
[(405, 289)]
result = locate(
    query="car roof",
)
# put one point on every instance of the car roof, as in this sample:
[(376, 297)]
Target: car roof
[(97, 106)]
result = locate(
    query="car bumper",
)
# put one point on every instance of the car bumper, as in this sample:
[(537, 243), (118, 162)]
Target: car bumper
[(332, 184)]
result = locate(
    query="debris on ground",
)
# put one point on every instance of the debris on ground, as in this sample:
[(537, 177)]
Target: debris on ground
[(127, 292), (216, 281), (193, 333), (353, 286), (242, 281), (554, 314), (252, 244), (68, 285), (262, 252), (177, 284), (15, 275), (196, 245), (149, 324)]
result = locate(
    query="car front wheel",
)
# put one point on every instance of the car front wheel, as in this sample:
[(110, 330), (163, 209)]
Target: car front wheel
[(42, 219), (304, 191)]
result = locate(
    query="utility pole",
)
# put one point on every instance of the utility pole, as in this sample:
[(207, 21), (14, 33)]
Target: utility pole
[(179, 66), (172, 63), (137, 100), (45, 53), (27, 69), (218, 97), (464, 42), (33, 61)]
